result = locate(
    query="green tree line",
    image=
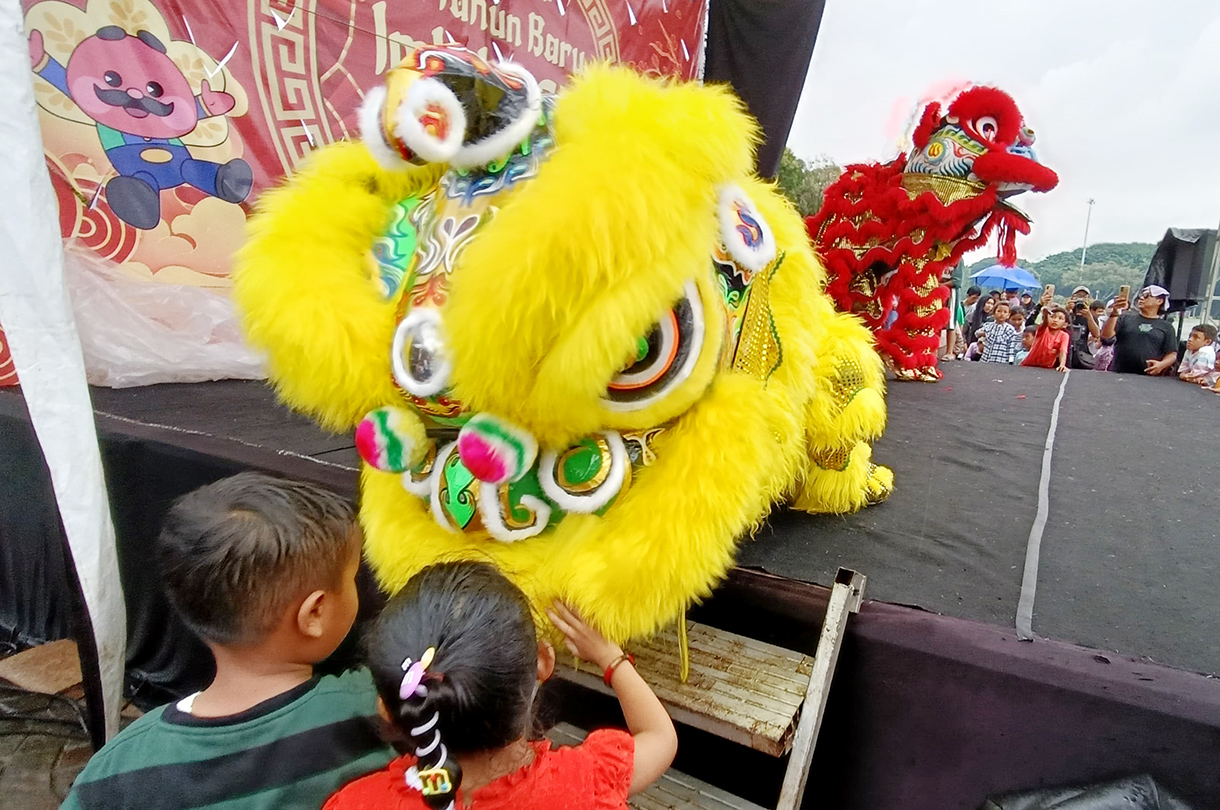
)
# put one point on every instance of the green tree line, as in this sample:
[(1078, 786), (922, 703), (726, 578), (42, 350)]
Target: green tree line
[(1108, 266), (803, 182)]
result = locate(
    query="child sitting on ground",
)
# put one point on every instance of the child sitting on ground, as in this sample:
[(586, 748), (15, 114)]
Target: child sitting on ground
[(458, 665), (1027, 342), (1000, 340), (1051, 340), (264, 570), (1198, 365)]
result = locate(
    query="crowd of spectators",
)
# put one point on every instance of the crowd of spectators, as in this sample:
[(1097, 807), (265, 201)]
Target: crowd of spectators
[(1082, 333)]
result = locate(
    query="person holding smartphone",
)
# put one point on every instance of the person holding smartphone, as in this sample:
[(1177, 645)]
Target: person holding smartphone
[(1144, 343)]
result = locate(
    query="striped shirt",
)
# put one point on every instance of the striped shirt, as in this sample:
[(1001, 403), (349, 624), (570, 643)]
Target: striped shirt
[(291, 751)]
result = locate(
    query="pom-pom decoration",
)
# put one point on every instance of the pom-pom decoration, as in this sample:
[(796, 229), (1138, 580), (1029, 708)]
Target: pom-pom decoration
[(391, 439), (495, 451)]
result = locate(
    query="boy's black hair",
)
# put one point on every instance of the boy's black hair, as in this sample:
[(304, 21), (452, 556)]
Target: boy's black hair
[(234, 554), (1014, 310), (1031, 330), (1097, 304), (974, 289), (1208, 330), (1002, 303), (481, 681)]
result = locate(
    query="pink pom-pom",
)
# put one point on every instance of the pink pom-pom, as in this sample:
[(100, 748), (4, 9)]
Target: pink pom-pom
[(482, 459)]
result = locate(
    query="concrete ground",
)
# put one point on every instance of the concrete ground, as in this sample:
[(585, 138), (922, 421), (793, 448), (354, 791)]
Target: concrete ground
[(41, 750), (43, 742)]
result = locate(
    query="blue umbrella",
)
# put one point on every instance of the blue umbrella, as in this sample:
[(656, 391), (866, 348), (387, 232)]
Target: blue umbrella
[(1006, 278)]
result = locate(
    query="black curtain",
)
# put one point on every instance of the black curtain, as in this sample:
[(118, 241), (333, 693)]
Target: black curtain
[(762, 48)]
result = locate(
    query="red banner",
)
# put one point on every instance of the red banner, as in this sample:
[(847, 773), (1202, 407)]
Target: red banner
[(163, 119)]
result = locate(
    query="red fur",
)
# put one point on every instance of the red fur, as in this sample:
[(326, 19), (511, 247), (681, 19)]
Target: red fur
[(869, 223), (976, 102), (1000, 167), (928, 123)]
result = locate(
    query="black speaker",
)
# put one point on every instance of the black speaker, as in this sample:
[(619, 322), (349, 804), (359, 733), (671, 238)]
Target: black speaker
[(1182, 264)]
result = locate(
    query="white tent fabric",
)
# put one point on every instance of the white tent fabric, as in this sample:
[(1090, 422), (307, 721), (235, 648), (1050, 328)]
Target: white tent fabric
[(37, 319)]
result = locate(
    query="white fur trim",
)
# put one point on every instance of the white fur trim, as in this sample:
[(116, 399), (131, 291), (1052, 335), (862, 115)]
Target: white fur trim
[(752, 258), (420, 489), (434, 486), (493, 520), (440, 378), (692, 293), (500, 143), (592, 501), (423, 92), (369, 118)]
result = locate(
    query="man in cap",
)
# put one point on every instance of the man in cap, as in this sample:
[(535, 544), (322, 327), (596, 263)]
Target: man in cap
[(1081, 328), (1144, 342)]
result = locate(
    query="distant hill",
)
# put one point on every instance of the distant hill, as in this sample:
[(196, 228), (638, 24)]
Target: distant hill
[(1108, 265)]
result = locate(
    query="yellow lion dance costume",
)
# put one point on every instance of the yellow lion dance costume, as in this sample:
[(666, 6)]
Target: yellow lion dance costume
[(576, 336)]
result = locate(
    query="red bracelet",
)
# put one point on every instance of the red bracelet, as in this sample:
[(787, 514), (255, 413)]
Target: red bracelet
[(628, 657)]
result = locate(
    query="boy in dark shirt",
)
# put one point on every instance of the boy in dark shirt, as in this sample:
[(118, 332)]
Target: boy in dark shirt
[(264, 570), (1144, 343)]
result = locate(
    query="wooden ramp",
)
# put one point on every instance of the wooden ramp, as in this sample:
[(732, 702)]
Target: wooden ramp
[(746, 691)]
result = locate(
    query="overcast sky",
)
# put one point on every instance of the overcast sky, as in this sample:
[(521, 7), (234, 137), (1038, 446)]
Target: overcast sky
[(1124, 97)]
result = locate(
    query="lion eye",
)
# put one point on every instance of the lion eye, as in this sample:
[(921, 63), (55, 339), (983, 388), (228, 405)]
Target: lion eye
[(664, 356), (987, 127), (154, 89), (111, 78)]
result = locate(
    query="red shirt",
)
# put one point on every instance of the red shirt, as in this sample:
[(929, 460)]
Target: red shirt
[(595, 775), (1047, 345)]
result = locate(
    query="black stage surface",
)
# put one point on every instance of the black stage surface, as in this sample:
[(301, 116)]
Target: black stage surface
[(1130, 555), (928, 712)]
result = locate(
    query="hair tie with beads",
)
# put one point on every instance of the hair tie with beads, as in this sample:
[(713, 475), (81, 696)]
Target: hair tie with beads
[(433, 775)]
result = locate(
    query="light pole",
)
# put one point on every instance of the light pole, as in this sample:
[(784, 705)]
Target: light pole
[(1085, 249)]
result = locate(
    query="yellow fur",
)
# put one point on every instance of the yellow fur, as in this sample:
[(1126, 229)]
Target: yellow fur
[(550, 298)]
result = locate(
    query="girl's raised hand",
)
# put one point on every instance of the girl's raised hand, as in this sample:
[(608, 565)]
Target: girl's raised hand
[(582, 640)]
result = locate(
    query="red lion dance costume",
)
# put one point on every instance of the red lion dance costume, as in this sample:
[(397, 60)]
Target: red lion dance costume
[(888, 232)]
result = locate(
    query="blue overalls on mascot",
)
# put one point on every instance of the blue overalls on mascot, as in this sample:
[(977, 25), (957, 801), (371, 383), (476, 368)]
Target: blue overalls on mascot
[(142, 105), (576, 337)]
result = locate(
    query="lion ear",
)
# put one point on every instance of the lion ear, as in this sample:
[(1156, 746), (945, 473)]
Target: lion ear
[(929, 122)]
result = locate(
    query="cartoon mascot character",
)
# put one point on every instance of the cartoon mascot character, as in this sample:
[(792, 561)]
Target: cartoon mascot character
[(142, 105)]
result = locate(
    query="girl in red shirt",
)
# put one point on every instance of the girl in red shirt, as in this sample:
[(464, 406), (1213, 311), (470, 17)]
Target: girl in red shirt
[(457, 664), (1051, 342)]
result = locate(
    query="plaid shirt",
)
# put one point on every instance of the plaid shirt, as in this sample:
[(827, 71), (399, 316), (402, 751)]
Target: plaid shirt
[(1000, 342)]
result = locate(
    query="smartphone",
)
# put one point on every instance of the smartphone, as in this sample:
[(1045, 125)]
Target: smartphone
[(1124, 292), (1050, 290)]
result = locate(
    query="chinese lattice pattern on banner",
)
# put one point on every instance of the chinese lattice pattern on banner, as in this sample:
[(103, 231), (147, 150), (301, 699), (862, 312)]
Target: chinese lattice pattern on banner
[(145, 180)]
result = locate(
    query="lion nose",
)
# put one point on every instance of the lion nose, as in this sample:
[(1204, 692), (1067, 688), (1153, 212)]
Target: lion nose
[(134, 93), (495, 450)]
